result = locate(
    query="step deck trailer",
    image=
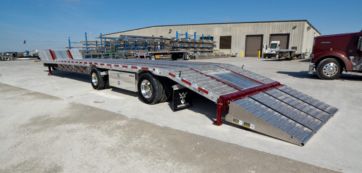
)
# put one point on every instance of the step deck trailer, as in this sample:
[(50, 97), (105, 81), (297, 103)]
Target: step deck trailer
[(242, 98)]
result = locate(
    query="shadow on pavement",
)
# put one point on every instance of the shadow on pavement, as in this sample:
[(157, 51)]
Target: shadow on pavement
[(86, 78), (123, 91), (203, 106), (304, 74), (281, 59), (70, 75), (298, 74), (199, 104), (284, 59)]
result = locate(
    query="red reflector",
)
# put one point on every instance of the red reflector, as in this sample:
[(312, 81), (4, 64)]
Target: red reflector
[(70, 56), (186, 82), (52, 54), (144, 68), (116, 65), (172, 75), (134, 67), (124, 66), (101, 64), (203, 90)]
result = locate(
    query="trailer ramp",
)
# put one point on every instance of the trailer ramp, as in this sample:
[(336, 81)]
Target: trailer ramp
[(261, 104), (243, 98), (282, 113)]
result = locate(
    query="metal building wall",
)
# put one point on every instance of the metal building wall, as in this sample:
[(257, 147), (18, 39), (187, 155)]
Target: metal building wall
[(238, 31), (309, 34)]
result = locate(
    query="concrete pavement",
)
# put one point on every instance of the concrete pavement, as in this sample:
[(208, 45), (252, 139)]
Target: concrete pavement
[(335, 146)]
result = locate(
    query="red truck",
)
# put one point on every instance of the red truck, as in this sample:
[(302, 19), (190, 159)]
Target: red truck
[(333, 54)]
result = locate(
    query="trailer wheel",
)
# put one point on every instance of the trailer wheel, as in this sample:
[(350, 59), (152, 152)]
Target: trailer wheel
[(97, 80), (167, 90), (150, 89), (329, 69)]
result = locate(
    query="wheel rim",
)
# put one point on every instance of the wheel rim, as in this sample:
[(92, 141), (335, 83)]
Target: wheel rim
[(330, 69), (94, 79), (146, 89)]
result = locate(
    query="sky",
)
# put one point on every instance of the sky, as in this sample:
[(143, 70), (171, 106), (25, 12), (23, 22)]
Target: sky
[(48, 23)]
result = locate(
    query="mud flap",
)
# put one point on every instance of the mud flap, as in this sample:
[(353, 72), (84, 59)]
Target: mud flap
[(180, 98)]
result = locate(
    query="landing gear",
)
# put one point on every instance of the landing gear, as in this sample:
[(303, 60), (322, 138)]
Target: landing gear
[(50, 72)]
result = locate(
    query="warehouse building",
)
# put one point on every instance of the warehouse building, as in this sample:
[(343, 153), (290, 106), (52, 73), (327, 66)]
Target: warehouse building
[(242, 38)]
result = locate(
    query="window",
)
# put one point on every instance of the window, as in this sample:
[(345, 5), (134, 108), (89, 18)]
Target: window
[(225, 42), (360, 43), (273, 45)]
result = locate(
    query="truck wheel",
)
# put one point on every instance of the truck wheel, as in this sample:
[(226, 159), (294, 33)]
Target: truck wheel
[(97, 80), (329, 69), (150, 89)]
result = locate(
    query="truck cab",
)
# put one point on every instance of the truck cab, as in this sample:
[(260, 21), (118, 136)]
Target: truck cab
[(333, 54), (276, 51), (272, 50)]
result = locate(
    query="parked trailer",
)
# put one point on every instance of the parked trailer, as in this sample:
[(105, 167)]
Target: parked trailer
[(242, 98)]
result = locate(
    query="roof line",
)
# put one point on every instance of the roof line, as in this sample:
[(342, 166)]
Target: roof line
[(340, 34), (217, 23)]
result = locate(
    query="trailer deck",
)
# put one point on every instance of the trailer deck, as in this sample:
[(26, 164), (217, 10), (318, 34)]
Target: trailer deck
[(242, 97)]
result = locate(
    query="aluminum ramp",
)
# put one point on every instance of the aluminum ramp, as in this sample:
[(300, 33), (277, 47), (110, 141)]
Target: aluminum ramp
[(243, 98)]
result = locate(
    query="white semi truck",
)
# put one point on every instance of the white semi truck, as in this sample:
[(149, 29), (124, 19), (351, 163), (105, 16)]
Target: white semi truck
[(241, 97)]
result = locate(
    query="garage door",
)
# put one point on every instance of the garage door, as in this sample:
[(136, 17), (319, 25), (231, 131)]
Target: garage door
[(254, 44), (283, 38)]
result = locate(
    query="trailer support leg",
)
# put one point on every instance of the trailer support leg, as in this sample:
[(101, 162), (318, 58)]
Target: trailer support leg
[(50, 71), (219, 111)]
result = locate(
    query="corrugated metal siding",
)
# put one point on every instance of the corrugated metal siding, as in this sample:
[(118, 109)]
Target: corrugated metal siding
[(309, 35), (238, 32)]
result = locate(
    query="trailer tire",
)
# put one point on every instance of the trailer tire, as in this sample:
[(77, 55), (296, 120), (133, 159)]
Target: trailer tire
[(166, 92), (329, 69), (150, 89), (97, 80)]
